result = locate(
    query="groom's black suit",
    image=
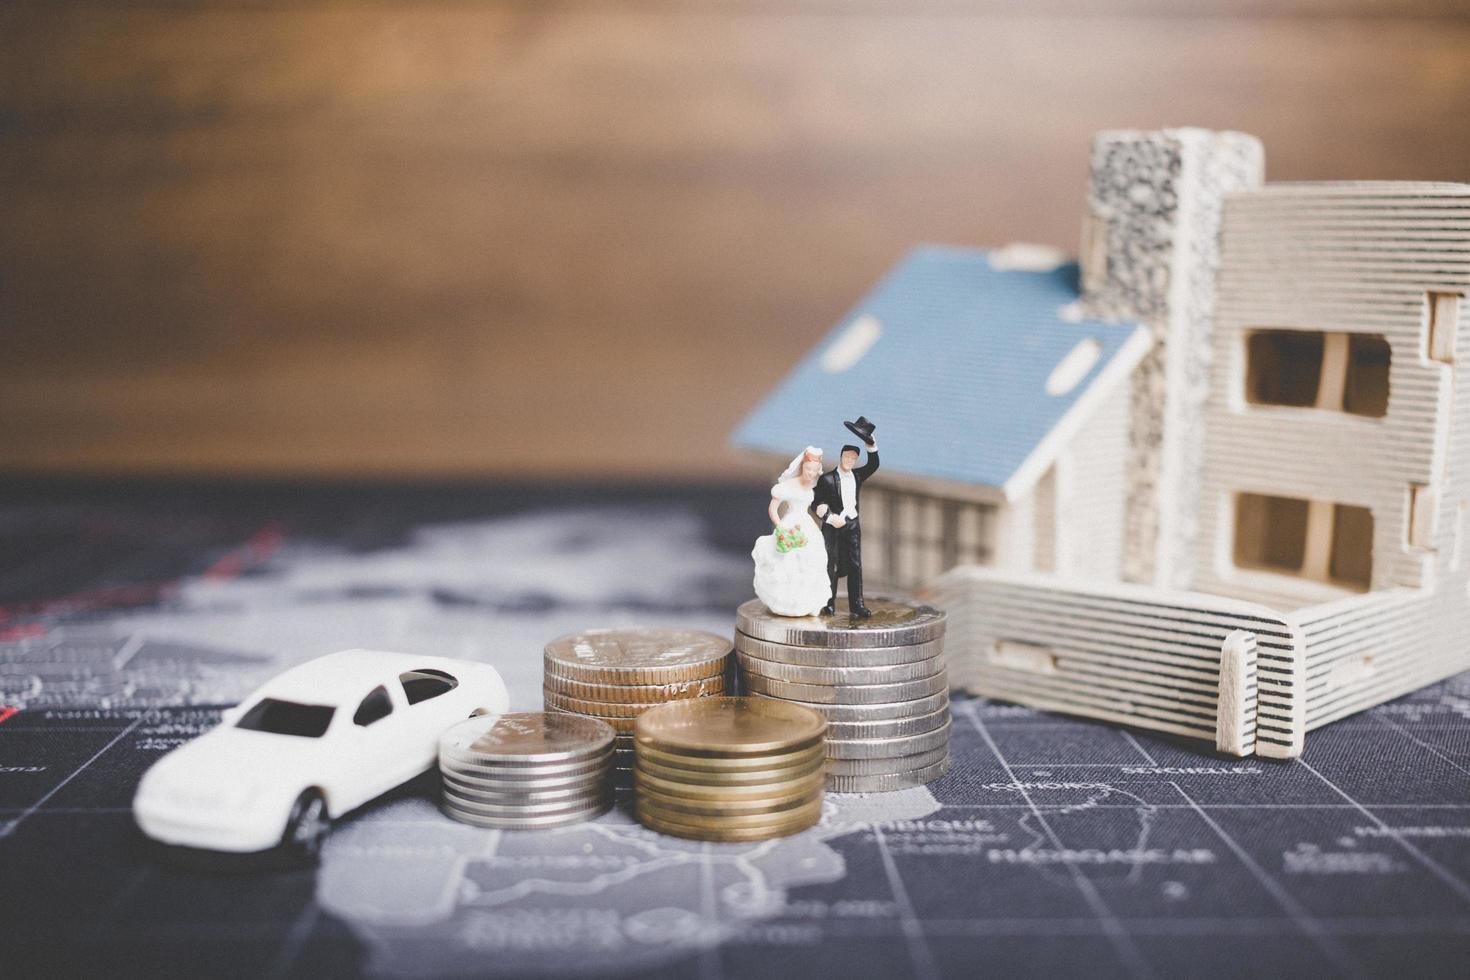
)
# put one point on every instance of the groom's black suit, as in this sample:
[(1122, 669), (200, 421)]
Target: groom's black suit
[(844, 544)]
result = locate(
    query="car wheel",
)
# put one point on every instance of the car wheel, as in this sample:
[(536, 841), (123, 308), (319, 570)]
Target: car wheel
[(307, 825)]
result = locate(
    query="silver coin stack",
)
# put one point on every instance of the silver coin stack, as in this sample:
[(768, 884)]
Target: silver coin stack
[(880, 682), (526, 770), (614, 675)]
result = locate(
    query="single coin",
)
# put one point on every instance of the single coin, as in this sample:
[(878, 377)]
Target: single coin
[(888, 728), (620, 726), (641, 656), (525, 786), (522, 823), (659, 781), (800, 674), (552, 771), (727, 836), (785, 653), (498, 793), (602, 710), (731, 821), (729, 727), (529, 790), (504, 770), (599, 709), (644, 694), (889, 782), (552, 808), (847, 694), (871, 712), (675, 804), (526, 738), (888, 748), (653, 752), (892, 764), (893, 623), (797, 816), (734, 776)]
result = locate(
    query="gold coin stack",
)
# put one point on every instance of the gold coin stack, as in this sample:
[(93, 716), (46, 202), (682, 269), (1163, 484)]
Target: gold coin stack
[(729, 769), (880, 682), (614, 675)]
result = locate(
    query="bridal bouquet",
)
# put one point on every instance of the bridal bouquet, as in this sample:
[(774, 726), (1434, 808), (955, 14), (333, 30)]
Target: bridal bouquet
[(789, 539)]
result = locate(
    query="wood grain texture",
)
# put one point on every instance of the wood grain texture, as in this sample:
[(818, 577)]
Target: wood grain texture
[(511, 238)]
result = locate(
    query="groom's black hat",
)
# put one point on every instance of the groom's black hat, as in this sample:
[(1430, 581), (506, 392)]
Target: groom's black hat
[(862, 428)]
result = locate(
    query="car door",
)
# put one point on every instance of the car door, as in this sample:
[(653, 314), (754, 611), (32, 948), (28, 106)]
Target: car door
[(434, 704), (374, 758)]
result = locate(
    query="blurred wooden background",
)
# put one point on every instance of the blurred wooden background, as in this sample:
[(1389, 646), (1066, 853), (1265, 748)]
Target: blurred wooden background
[(531, 237)]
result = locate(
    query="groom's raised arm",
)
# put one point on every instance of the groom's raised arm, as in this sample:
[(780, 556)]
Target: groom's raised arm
[(871, 466)]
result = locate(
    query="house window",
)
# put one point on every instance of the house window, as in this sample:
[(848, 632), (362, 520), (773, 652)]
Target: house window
[(1444, 324), (1337, 372), (1283, 367), (909, 538), (1365, 391), (1310, 539), (1270, 532), (1351, 561)]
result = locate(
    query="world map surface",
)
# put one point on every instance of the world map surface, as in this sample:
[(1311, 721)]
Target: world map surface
[(1054, 845)]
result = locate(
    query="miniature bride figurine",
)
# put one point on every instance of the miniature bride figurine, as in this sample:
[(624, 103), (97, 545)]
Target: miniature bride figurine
[(791, 561)]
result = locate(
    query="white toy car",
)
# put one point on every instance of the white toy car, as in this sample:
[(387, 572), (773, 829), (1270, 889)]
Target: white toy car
[(319, 740)]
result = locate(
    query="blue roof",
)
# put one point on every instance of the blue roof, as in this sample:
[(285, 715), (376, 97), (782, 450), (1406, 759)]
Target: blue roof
[(956, 379)]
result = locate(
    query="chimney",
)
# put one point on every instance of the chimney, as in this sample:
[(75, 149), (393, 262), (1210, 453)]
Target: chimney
[(1150, 253)]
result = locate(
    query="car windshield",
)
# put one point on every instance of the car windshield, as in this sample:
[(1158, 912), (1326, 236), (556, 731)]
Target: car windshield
[(287, 718)]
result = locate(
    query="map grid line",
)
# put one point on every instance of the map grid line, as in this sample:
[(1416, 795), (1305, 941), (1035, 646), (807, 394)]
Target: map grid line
[(913, 931), (1299, 915), (1124, 944), (10, 826), (1434, 867)]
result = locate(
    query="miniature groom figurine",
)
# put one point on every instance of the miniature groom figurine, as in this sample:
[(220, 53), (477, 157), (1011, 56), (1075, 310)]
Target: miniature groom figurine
[(836, 506)]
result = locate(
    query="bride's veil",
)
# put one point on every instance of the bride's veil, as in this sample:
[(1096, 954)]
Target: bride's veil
[(795, 466)]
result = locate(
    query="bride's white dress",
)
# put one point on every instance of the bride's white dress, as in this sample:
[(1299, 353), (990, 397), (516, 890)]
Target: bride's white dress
[(793, 583)]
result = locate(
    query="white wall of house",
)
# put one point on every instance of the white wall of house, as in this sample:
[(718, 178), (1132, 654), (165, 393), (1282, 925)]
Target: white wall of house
[(1015, 535), (1364, 650), (1330, 261), (1092, 485)]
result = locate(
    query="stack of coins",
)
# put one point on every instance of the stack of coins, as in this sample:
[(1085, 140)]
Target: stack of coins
[(615, 675), (526, 770), (880, 683), (729, 769)]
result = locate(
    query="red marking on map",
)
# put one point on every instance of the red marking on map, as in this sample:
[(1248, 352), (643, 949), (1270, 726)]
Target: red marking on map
[(262, 544), (90, 600)]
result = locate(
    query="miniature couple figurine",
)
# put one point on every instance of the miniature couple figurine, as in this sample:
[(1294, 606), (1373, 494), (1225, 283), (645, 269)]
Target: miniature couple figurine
[(796, 568)]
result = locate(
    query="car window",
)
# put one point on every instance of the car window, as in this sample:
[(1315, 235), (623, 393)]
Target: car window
[(425, 683), (375, 707), (287, 718)]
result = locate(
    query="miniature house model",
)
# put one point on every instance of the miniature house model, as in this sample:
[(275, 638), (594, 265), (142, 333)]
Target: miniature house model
[(1212, 481)]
